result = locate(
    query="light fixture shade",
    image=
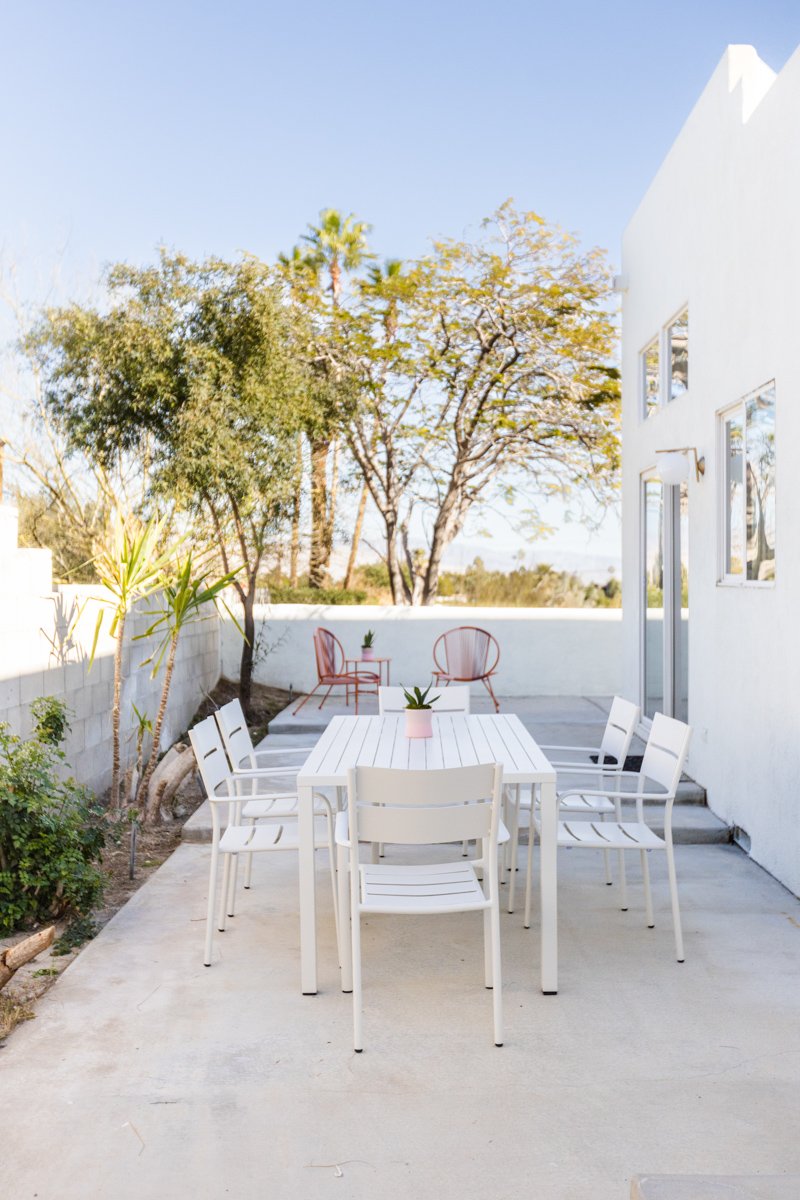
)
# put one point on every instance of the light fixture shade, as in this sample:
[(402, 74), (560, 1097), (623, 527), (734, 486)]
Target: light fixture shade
[(673, 467)]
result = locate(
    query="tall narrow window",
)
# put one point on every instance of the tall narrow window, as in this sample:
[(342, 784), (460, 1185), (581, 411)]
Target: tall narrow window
[(653, 583), (678, 338), (650, 379), (748, 440)]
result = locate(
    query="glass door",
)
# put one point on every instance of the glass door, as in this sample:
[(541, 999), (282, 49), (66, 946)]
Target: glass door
[(665, 600)]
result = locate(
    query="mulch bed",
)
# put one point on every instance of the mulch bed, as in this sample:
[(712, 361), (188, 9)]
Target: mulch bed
[(153, 847)]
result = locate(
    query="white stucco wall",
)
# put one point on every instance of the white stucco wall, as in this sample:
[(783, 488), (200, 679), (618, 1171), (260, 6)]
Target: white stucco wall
[(543, 651), (718, 229)]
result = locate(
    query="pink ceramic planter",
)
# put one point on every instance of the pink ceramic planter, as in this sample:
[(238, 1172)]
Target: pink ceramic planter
[(419, 723), (367, 654)]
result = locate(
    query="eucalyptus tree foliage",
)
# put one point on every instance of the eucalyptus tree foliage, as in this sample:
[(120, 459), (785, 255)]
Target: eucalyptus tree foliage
[(497, 377), (193, 367)]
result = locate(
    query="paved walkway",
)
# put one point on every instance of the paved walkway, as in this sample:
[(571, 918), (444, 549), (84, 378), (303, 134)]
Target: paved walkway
[(147, 1076)]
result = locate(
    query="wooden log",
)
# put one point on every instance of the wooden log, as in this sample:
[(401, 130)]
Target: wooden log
[(21, 952), (170, 773)]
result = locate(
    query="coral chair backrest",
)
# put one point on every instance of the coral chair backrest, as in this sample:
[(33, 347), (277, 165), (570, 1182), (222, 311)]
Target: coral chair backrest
[(665, 753), (235, 735), (450, 699), (424, 807), (623, 719), (467, 653), (327, 648)]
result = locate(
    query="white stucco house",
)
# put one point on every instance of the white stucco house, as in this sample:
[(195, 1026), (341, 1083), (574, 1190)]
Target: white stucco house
[(711, 362)]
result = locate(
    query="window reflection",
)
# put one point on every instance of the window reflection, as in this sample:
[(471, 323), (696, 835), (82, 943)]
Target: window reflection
[(760, 502), (650, 381), (734, 481), (679, 355), (654, 597)]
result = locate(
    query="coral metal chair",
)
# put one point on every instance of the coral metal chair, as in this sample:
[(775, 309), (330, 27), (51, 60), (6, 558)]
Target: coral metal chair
[(331, 671), (419, 808), (245, 801), (664, 758), (465, 655)]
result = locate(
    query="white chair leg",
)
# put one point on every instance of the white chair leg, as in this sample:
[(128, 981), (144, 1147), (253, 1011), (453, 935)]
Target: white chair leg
[(332, 858), (355, 922), (232, 886), (514, 850), (248, 866), (606, 861), (529, 870), (223, 900), (497, 977), (375, 850), (487, 948), (623, 883), (345, 946), (465, 849), (212, 887), (648, 895), (673, 895)]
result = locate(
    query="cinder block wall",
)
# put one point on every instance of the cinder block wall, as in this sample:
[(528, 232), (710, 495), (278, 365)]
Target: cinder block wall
[(45, 642)]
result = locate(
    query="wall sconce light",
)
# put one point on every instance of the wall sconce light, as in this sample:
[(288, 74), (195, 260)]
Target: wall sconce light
[(673, 465)]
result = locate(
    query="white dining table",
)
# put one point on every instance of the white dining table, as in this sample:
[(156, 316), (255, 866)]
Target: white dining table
[(459, 739)]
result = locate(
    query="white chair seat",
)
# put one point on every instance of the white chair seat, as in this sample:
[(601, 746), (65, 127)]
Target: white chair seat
[(420, 889), (248, 839), (608, 835)]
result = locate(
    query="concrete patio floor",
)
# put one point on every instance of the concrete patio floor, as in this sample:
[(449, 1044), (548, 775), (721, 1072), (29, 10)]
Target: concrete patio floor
[(147, 1075)]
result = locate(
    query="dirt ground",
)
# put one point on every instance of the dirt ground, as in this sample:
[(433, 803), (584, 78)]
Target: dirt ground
[(153, 846)]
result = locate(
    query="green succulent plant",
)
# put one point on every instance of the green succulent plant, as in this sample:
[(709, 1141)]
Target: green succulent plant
[(369, 638), (416, 699)]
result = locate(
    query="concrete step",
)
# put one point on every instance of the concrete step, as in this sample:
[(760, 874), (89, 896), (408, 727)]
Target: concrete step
[(715, 1187)]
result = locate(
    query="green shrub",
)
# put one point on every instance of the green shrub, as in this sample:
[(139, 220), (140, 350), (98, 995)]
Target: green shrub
[(51, 830), (285, 594)]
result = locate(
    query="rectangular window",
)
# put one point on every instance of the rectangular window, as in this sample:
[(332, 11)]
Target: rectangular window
[(748, 440), (678, 339), (650, 379)]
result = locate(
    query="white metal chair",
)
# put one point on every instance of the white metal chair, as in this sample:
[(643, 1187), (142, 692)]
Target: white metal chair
[(664, 758), (245, 760), (621, 726), (245, 802), (450, 699), (419, 808)]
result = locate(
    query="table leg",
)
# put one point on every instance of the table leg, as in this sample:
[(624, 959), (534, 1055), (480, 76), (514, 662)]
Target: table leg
[(308, 898), (548, 882)]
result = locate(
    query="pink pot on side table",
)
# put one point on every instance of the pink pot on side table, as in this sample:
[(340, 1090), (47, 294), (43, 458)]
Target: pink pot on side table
[(419, 723), (367, 654)]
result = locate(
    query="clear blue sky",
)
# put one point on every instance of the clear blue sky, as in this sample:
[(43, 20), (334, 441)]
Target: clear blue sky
[(218, 127)]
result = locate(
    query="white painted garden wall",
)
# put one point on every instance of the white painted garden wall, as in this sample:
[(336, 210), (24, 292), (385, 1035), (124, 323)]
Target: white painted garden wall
[(44, 651), (718, 229), (544, 651)]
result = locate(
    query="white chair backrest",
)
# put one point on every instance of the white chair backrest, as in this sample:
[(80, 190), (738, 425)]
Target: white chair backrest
[(665, 753), (623, 719), (235, 734), (210, 757), (424, 807), (451, 699)]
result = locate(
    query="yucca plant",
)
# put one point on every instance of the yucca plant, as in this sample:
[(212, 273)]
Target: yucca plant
[(129, 565), (415, 699), (181, 597)]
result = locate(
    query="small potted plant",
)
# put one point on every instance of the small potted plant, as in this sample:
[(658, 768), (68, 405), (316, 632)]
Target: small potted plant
[(418, 712), (367, 651)]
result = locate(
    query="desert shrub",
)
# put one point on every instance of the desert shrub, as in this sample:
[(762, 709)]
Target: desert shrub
[(51, 829), (280, 593)]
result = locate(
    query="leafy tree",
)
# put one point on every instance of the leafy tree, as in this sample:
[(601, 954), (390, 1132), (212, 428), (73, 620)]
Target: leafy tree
[(193, 366), (498, 371)]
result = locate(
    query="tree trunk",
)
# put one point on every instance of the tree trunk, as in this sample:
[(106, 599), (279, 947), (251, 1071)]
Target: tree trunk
[(319, 511), (152, 813), (294, 550), (332, 498), (248, 645), (351, 562), (448, 525), (400, 591), (115, 708)]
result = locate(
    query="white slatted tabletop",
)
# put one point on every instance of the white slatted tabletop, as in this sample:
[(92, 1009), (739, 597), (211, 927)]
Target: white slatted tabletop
[(459, 739)]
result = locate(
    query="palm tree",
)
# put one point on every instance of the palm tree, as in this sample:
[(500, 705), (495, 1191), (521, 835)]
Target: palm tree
[(380, 281), (338, 244)]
